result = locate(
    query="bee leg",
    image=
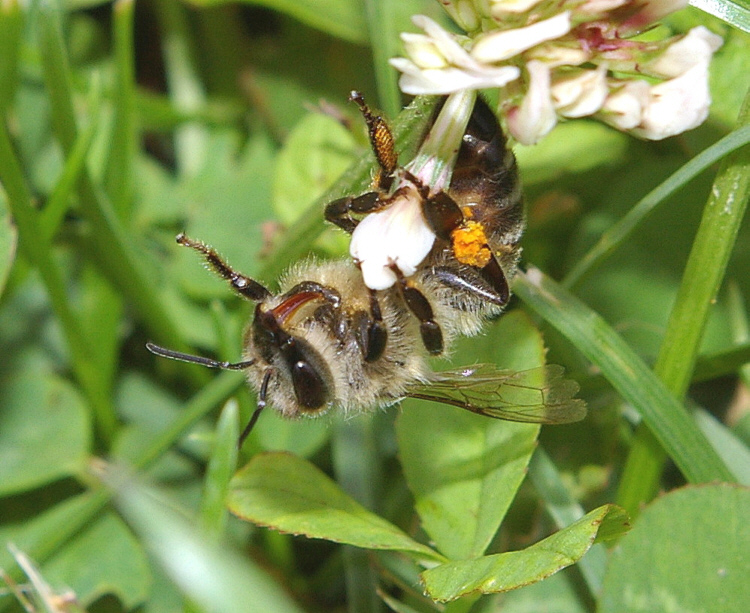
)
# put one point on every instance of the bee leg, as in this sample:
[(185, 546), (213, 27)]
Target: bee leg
[(494, 275), (469, 244), (262, 394), (497, 293), (382, 142), (432, 335), (244, 286), (442, 214), (340, 211)]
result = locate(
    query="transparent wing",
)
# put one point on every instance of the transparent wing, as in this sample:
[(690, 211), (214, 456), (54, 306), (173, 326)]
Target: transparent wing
[(539, 395)]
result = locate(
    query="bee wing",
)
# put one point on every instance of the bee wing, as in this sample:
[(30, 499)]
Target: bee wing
[(539, 395)]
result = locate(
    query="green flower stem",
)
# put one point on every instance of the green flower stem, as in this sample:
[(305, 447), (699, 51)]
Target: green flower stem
[(626, 372), (383, 35), (700, 285), (623, 229)]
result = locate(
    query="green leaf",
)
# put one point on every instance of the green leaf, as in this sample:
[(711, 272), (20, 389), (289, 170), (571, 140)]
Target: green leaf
[(8, 242), (627, 373), (315, 154), (45, 432), (464, 469), (219, 471), (508, 571), (216, 578), (104, 558), (687, 552), (289, 494), (342, 18)]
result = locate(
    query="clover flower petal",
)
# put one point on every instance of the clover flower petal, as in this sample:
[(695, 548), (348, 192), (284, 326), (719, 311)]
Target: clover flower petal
[(677, 105), (501, 45), (695, 47), (581, 94), (398, 235), (623, 108), (536, 115)]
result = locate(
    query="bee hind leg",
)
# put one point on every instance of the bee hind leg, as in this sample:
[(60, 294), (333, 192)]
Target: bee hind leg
[(496, 292), (429, 329)]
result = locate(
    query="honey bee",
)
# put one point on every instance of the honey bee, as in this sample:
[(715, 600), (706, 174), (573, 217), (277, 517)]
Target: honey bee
[(452, 252), (309, 348)]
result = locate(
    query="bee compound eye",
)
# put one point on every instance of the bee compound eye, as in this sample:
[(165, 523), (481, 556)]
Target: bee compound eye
[(309, 387)]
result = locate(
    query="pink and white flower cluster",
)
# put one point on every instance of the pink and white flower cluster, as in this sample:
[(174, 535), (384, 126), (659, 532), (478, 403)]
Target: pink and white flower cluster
[(566, 58)]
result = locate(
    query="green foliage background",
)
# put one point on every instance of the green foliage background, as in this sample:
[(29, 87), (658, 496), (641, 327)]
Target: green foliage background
[(124, 123)]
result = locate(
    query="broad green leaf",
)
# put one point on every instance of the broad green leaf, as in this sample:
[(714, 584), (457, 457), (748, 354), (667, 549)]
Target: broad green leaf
[(464, 469), (315, 154), (342, 18), (289, 494), (37, 531), (302, 438), (687, 552), (507, 571), (44, 432), (104, 558), (556, 594), (216, 578)]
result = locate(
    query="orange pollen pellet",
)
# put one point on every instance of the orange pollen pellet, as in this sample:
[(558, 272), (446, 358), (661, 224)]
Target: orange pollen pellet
[(470, 244)]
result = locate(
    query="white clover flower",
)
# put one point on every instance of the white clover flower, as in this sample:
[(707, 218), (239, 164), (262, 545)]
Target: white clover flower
[(398, 235), (536, 115), (695, 47), (581, 93), (509, 36), (500, 45), (677, 105), (623, 108)]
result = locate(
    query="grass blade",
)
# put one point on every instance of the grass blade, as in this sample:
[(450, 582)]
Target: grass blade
[(628, 374)]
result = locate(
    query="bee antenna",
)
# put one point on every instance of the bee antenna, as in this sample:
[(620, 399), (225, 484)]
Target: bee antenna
[(259, 407), (196, 359)]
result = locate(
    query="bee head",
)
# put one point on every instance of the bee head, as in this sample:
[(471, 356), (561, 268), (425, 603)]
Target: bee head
[(300, 381)]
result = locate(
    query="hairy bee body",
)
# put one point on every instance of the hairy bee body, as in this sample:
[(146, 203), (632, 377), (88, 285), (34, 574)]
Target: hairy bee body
[(333, 344)]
